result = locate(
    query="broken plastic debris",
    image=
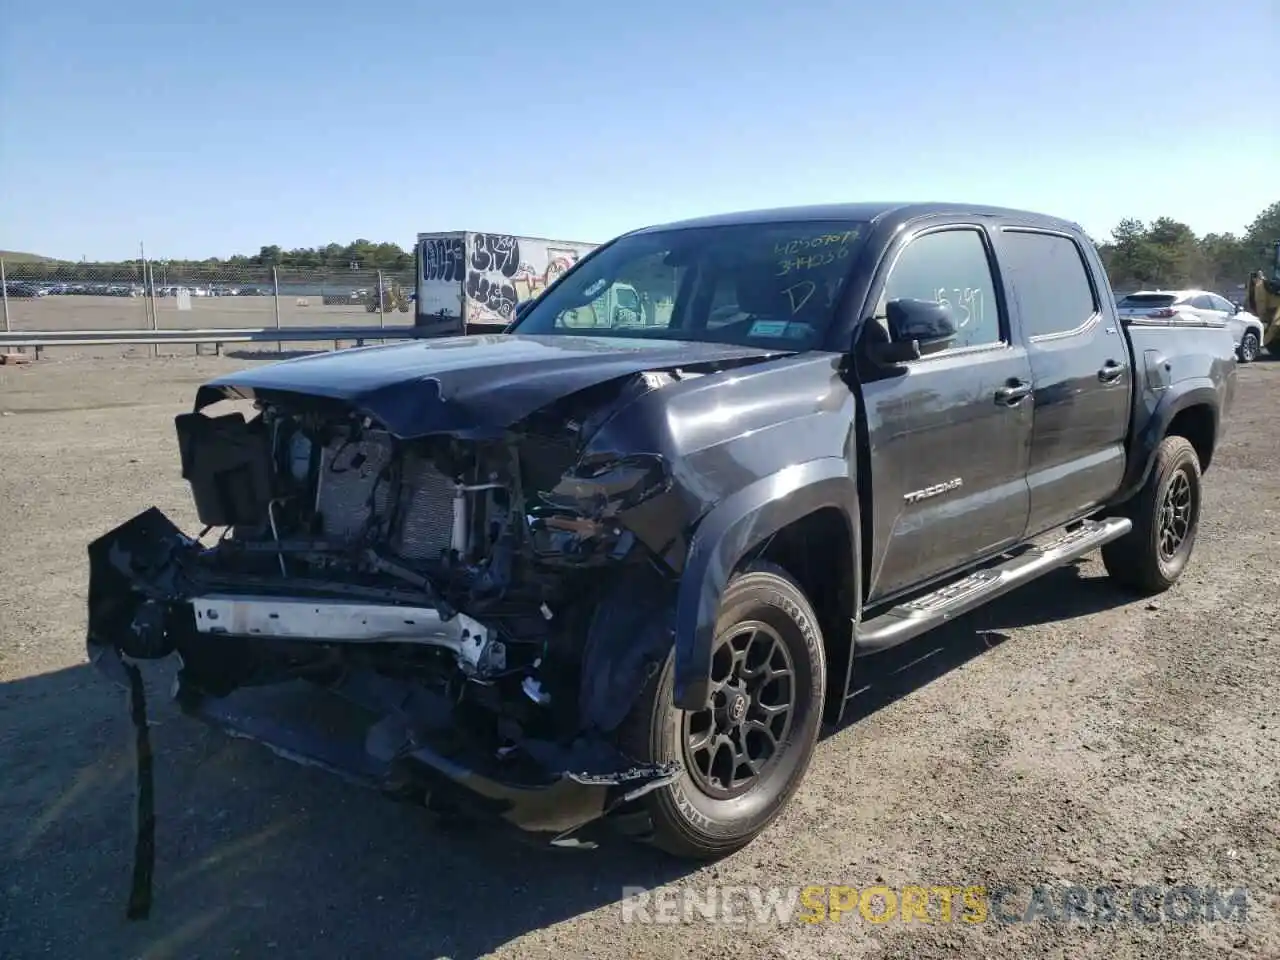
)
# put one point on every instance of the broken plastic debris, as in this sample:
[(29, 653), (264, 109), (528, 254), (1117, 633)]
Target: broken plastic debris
[(533, 690)]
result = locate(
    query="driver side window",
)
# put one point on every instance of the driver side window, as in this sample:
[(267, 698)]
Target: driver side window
[(950, 267)]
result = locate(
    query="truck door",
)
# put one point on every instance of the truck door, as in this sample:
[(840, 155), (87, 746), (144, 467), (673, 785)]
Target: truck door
[(1080, 368), (948, 434)]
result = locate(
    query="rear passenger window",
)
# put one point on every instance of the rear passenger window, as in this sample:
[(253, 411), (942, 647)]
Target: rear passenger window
[(949, 267), (1050, 281)]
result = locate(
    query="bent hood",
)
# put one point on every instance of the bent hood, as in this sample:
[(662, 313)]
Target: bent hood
[(465, 385)]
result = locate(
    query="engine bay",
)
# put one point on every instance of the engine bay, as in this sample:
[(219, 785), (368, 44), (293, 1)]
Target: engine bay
[(471, 567)]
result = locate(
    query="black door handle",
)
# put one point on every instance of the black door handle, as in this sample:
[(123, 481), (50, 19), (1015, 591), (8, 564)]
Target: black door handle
[(1013, 392), (1111, 372)]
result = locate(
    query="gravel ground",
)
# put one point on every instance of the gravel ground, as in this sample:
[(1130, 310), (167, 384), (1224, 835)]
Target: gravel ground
[(1063, 735)]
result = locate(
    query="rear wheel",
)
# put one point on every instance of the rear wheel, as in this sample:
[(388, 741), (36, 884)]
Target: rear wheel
[(1249, 347), (1166, 518), (746, 754)]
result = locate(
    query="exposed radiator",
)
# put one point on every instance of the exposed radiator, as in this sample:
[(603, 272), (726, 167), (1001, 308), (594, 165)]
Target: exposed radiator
[(350, 493), (348, 475), (425, 525)]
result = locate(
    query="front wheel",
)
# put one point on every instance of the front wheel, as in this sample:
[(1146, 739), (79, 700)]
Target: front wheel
[(1166, 518), (745, 755)]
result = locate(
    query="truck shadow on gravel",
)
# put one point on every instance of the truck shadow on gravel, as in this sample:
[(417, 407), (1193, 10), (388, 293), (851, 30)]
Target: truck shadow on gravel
[(259, 855)]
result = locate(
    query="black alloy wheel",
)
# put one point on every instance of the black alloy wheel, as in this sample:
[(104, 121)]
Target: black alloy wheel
[(1175, 516), (1166, 518), (729, 746), (745, 753)]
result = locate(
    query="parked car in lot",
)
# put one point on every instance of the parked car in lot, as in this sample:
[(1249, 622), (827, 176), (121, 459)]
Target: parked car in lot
[(23, 289), (1197, 306), (624, 572), (331, 298)]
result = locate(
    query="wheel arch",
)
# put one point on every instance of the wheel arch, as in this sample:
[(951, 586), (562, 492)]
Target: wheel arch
[(769, 519), (1194, 413), (1198, 423)]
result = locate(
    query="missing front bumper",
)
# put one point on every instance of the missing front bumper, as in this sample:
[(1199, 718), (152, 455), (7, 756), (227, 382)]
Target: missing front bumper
[(402, 738), (381, 733)]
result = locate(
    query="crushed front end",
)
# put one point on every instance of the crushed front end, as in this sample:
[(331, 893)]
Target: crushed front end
[(462, 595)]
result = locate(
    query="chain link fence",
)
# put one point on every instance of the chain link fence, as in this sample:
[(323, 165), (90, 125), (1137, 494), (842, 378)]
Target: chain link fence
[(154, 294)]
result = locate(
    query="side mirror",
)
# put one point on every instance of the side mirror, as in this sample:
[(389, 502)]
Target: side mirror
[(917, 328)]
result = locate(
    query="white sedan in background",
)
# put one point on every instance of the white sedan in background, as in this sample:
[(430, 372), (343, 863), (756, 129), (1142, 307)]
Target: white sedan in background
[(1191, 306)]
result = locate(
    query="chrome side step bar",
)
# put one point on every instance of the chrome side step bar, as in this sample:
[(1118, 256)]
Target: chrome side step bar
[(910, 619)]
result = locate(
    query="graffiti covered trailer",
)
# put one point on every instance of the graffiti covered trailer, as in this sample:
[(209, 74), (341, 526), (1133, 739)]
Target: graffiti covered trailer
[(467, 279)]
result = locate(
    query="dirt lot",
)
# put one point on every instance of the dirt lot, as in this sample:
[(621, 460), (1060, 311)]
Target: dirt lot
[(1064, 735)]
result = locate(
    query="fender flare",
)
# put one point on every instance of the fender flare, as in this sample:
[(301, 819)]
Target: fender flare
[(726, 533), (1202, 393)]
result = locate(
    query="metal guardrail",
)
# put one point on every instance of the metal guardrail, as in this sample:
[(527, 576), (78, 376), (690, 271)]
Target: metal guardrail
[(40, 339)]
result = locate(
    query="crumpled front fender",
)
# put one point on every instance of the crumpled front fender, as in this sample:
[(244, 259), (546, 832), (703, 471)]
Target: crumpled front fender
[(726, 534)]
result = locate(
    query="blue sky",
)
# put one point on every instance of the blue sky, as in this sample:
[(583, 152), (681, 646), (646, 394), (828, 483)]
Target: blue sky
[(211, 129)]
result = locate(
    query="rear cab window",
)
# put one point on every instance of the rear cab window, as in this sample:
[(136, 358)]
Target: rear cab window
[(1051, 282)]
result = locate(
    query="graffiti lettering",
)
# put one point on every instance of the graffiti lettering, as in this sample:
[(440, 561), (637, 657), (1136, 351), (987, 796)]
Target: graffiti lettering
[(443, 259), (529, 282), (496, 297), (503, 270), (497, 252)]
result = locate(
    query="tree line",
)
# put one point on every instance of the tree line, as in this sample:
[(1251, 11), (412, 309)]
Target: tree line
[(1167, 253), (359, 255), (1162, 253)]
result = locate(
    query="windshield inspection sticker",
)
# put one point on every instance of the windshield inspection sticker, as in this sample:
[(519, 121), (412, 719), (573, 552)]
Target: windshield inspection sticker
[(768, 328)]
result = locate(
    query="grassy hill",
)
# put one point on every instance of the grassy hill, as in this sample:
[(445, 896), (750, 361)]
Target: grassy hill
[(15, 256)]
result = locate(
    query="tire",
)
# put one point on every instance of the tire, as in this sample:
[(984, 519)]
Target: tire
[(688, 818), (1141, 560), (1249, 347)]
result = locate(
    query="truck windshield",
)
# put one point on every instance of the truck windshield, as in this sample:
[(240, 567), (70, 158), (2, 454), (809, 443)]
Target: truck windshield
[(755, 284)]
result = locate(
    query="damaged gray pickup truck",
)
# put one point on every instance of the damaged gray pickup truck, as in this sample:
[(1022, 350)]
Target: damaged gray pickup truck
[(617, 565)]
